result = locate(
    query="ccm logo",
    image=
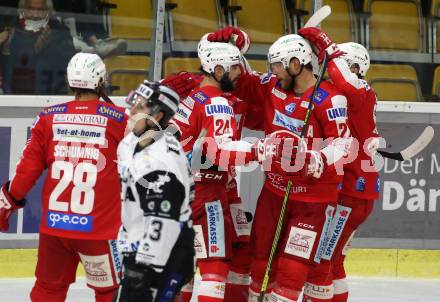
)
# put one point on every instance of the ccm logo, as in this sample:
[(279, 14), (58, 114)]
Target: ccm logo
[(210, 176)]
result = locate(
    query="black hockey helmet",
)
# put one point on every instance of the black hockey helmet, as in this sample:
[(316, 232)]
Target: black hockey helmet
[(158, 97)]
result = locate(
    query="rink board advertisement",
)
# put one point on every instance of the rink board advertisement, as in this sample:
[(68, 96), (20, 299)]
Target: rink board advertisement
[(407, 215), (409, 205)]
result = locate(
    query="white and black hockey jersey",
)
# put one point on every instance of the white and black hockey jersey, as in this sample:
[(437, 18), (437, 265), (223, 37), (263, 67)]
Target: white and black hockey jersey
[(157, 192)]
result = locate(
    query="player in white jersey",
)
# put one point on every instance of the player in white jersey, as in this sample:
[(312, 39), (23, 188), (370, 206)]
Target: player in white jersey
[(156, 238)]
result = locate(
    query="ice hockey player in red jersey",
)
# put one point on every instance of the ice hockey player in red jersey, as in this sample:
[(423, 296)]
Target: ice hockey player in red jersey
[(283, 98), (238, 278), (210, 107), (361, 180), (76, 142)]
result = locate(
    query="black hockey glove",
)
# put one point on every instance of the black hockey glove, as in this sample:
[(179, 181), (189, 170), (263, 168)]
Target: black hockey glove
[(136, 282)]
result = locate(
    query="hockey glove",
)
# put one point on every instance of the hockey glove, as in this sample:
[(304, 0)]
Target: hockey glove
[(321, 42), (182, 83), (136, 283), (233, 35), (7, 206), (272, 147), (313, 163)]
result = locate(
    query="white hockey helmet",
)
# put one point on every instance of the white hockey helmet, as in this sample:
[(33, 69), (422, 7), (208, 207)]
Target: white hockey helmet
[(356, 54), (212, 54), (288, 47), (85, 70)]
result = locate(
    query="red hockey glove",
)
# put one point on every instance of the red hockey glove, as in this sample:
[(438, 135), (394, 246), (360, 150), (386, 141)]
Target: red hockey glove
[(233, 35), (272, 147), (309, 162), (182, 83), (7, 206), (322, 42)]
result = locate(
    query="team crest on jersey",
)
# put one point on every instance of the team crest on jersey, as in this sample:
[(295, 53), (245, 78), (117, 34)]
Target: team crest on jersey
[(200, 97), (279, 94), (214, 109), (320, 96), (110, 112), (54, 109), (290, 108), (336, 113)]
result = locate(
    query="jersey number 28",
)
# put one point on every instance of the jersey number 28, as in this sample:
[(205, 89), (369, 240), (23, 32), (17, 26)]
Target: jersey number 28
[(84, 177)]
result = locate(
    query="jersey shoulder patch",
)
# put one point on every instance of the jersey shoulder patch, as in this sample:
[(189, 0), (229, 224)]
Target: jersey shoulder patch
[(320, 96), (110, 112), (365, 84), (200, 97), (265, 78), (54, 109)]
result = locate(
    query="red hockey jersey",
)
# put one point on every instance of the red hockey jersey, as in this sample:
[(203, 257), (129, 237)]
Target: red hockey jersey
[(76, 142), (361, 179), (282, 110), (210, 109)]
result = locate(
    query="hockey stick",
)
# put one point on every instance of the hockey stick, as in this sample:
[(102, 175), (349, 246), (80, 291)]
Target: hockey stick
[(197, 149), (276, 238), (289, 185), (417, 146), (313, 21), (318, 16)]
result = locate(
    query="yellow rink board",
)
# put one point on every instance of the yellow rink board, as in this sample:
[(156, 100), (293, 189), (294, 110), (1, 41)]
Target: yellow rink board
[(16, 263)]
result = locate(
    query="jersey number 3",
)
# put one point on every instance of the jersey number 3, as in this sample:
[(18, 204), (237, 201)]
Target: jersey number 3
[(84, 177)]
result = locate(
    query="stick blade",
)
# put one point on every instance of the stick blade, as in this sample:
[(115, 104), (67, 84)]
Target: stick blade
[(393, 155), (419, 144), (319, 16)]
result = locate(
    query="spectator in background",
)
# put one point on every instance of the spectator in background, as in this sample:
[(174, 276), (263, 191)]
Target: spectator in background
[(85, 19), (38, 49), (8, 13), (4, 35)]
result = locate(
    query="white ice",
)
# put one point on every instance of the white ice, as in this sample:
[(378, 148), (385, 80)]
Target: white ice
[(362, 290)]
